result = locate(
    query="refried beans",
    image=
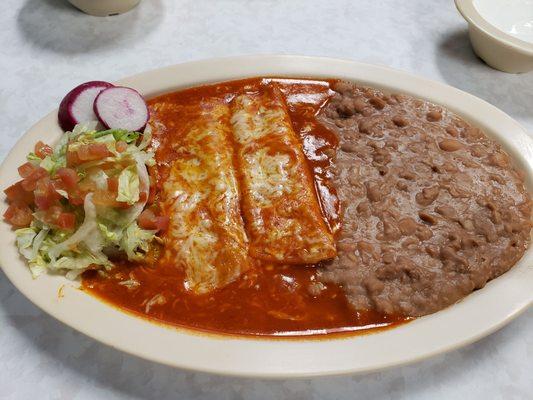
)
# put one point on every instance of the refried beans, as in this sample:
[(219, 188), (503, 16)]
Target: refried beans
[(432, 209)]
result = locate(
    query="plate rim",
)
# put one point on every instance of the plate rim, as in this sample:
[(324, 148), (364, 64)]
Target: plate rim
[(225, 67)]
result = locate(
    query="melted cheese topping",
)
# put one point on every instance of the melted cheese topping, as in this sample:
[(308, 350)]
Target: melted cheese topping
[(206, 235), (282, 213), (269, 176)]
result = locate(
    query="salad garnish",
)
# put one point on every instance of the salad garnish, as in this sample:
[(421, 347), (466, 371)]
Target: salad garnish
[(85, 201)]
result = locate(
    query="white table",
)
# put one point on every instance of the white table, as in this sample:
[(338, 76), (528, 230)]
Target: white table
[(47, 47)]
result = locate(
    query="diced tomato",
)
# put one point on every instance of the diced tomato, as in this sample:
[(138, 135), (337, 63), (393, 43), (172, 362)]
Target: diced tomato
[(148, 220), (42, 150), (121, 146), (112, 184), (144, 192), (18, 215), (43, 202), (143, 196), (53, 213), (17, 193), (73, 159), (87, 185), (58, 185), (151, 197), (38, 173), (69, 177), (86, 152), (41, 186), (153, 173), (66, 220), (151, 190), (83, 153), (29, 183), (27, 169), (106, 198), (162, 222), (122, 204), (77, 198), (91, 152), (45, 194), (99, 150)]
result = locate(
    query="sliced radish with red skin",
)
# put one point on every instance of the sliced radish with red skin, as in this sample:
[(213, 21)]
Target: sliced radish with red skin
[(121, 108), (77, 106)]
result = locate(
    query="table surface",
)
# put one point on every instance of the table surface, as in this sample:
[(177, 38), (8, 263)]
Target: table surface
[(48, 47)]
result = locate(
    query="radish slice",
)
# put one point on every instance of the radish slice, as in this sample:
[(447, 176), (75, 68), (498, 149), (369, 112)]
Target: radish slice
[(77, 106), (121, 108)]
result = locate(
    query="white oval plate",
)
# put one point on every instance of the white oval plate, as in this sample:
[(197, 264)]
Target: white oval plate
[(476, 316)]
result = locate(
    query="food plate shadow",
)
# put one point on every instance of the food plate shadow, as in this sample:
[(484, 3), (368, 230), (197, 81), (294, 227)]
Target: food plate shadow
[(58, 27), (74, 353), (458, 65)]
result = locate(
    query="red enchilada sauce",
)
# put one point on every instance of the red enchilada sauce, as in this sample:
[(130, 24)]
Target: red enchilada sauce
[(267, 299)]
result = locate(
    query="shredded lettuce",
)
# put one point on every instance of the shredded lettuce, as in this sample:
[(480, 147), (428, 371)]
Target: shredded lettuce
[(87, 234), (109, 140), (118, 134), (135, 241), (100, 179), (38, 242), (111, 236), (60, 149), (80, 261), (88, 127), (24, 240), (128, 186), (104, 228), (125, 136), (29, 242), (63, 193), (147, 138), (48, 164), (55, 161), (33, 157)]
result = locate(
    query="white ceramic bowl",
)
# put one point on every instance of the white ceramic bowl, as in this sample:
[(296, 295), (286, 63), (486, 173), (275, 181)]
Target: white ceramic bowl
[(104, 8), (476, 316), (501, 32)]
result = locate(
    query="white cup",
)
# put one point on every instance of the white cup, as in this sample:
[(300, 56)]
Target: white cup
[(501, 32), (103, 8)]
